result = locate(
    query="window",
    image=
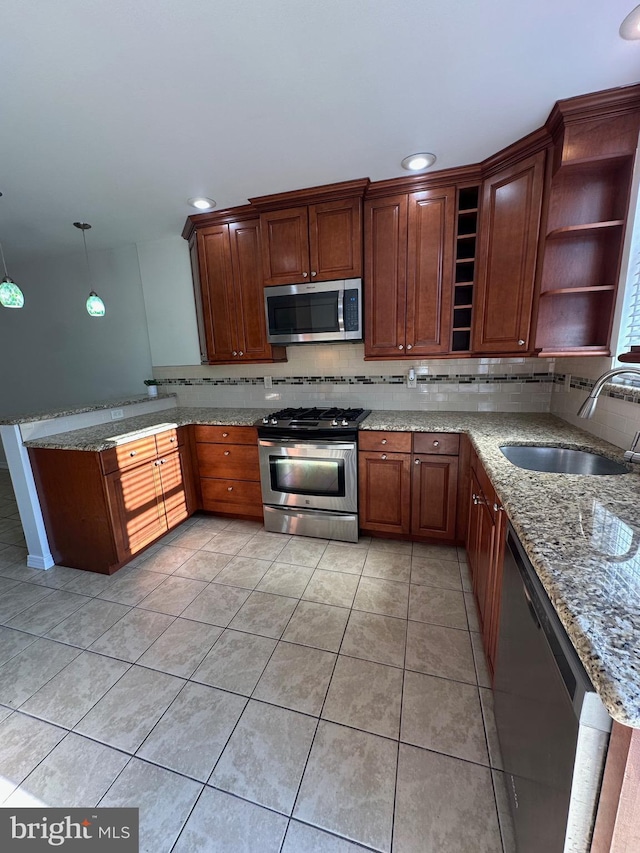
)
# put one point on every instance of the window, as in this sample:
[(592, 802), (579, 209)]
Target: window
[(628, 333)]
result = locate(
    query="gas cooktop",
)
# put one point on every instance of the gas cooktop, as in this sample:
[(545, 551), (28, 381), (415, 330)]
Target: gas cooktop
[(313, 419)]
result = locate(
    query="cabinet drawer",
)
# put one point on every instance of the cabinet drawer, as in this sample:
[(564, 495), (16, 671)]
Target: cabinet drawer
[(129, 454), (242, 495), (436, 442), (233, 461), (393, 442), (227, 434), (169, 440)]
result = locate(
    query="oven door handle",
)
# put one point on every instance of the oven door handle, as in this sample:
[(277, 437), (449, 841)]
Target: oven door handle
[(295, 444)]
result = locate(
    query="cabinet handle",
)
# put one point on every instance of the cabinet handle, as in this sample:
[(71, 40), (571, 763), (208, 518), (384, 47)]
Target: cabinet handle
[(384, 456), (409, 346), (229, 488), (400, 346), (225, 435), (305, 274), (520, 343), (227, 452), (436, 443), (132, 452), (416, 461), (384, 441)]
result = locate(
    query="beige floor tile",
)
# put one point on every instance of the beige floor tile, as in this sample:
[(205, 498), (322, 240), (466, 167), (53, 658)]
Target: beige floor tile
[(307, 839), (365, 695), (431, 572), (20, 597), (285, 579), (244, 572), (194, 538), (203, 566), (318, 625), (335, 588), (264, 614), (167, 559), (348, 785), (374, 637), (387, 565), (376, 595), (88, 623), (296, 677), (228, 542), (266, 755), (88, 583), (181, 648), (436, 650), (12, 642), (75, 690), (240, 525), (132, 587), (211, 523), (76, 773), (217, 604), (444, 716), (303, 552), (338, 558), (163, 798), (44, 614), (24, 742), (363, 542), (221, 823), (472, 611), (495, 753), (461, 814), (7, 583), (505, 819), (393, 546), (173, 595), (127, 713), (480, 660), (194, 730), (27, 671), (236, 662), (438, 552), (437, 606), (265, 546), (467, 580), (132, 635)]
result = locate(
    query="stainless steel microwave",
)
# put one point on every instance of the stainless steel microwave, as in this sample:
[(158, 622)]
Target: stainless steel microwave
[(314, 312)]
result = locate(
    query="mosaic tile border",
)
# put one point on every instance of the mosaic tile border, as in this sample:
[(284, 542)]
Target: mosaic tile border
[(622, 389), (428, 379)]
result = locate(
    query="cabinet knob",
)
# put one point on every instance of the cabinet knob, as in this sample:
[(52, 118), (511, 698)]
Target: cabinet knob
[(400, 346), (229, 488), (234, 353), (416, 461), (305, 274), (409, 346), (225, 435), (384, 441), (227, 452), (313, 273), (436, 443), (384, 456), (498, 508), (132, 452), (241, 353), (520, 343)]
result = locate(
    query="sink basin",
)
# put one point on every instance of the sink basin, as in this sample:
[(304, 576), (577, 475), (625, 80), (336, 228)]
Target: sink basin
[(560, 460)]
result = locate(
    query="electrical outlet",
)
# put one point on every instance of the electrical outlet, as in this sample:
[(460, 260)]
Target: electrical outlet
[(116, 414), (268, 382), (412, 379)]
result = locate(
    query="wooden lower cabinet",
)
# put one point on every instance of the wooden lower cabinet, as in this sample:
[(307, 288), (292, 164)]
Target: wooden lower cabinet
[(485, 549), (409, 494), (101, 509), (229, 470)]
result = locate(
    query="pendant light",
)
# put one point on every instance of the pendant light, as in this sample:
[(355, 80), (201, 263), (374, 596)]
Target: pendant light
[(10, 294), (95, 305)]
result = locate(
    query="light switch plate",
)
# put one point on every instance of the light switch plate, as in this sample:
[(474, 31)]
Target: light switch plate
[(412, 382), (116, 414)]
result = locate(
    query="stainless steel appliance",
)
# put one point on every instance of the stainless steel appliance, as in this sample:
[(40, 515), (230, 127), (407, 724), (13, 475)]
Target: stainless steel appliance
[(314, 312), (309, 471), (552, 726)]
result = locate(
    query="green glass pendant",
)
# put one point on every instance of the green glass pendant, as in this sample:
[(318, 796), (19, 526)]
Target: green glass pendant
[(10, 294), (95, 305)]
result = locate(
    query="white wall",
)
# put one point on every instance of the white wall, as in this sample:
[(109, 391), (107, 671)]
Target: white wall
[(53, 353)]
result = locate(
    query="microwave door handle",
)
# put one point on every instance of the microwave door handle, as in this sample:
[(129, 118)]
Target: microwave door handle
[(341, 310)]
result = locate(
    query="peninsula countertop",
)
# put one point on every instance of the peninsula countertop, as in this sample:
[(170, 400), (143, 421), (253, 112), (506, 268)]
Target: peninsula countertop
[(581, 532)]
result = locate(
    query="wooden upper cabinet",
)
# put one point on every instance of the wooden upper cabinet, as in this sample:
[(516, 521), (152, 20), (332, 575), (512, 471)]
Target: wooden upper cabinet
[(409, 273), (510, 223), (227, 271), (285, 246)]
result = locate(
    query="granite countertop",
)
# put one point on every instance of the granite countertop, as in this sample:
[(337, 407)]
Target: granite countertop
[(44, 415), (582, 533)]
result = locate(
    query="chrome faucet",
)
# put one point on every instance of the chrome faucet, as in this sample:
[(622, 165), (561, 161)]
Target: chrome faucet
[(587, 409)]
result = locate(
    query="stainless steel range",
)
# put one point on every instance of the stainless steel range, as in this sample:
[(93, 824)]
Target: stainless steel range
[(309, 471)]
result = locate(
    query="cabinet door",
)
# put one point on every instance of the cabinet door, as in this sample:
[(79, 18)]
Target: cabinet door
[(285, 246), (509, 226), (335, 239), (430, 271), (247, 275), (434, 491), (137, 507), (385, 264), (216, 285), (176, 486), (385, 491)]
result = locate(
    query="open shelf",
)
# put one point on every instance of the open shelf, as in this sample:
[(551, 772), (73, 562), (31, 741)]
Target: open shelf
[(465, 267), (590, 193), (583, 316), (585, 260), (587, 228), (593, 289)]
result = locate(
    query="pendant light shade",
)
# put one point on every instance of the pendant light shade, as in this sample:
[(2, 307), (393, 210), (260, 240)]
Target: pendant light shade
[(10, 294), (95, 305)]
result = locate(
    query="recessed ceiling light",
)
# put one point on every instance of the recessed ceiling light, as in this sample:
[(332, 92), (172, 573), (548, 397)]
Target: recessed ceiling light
[(202, 203), (630, 27), (418, 162)]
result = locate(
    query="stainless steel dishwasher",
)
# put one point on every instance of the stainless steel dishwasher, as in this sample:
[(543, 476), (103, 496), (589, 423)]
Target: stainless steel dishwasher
[(552, 726)]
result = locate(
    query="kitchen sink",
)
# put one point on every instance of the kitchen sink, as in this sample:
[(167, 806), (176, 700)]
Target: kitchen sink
[(560, 460)]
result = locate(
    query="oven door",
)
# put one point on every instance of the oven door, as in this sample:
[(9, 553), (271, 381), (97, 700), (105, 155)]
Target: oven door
[(309, 474)]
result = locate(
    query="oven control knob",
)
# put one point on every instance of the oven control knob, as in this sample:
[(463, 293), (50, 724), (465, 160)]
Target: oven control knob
[(345, 422), (274, 420), (334, 422)]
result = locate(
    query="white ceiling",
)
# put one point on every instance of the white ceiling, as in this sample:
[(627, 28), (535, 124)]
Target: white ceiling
[(117, 111)]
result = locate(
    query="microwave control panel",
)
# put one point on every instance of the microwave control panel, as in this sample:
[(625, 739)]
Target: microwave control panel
[(351, 311)]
